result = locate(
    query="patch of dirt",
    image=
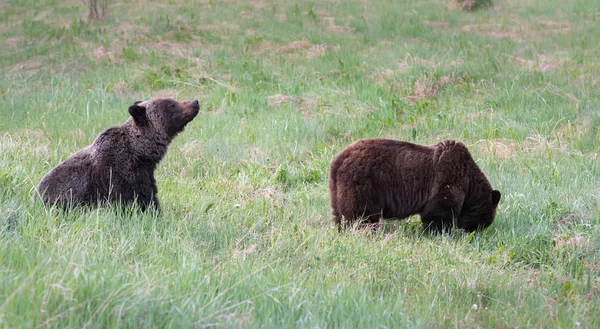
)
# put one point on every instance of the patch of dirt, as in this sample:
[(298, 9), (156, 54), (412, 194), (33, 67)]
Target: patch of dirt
[(424, 89), (427, 88), (166, 93), (260, 4), (326, 17), (12, 42), (339, 29), (33, 141), (244, 252), (452, 5), (504, 35), (261, 47), (271, 194), (543, 63), (112, 55), (246, 14), (221, 27), (518, 31), (572, 219), (278, 99), (180, 49), (574, 242), (304, 105), (500, 148), (474, 116), (554, 27), (29, 66), (438, 24), (497, 31), (503, 148), (316, 51), (295, 46), (193, 149), (330, 20), (257, 6), (130, 29), (382, 75), (119, 87), (539, 143)]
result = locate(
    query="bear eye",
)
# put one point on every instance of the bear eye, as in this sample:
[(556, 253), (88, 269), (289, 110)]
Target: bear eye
[(172, 105)]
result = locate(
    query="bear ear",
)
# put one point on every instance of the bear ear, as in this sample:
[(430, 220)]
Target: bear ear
[(496, 196), (138, 113)]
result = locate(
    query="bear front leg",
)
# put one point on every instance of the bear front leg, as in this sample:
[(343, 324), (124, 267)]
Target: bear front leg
[(147, 202), (438, 214), (436, 219)]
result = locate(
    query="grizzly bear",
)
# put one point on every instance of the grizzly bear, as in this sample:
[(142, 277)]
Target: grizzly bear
[(382, 178), (119, 165)]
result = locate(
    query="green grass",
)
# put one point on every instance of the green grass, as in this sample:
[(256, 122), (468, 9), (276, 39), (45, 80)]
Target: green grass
[(245, 238)]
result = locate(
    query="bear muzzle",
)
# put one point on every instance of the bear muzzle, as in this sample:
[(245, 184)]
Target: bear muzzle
[(191, 110)]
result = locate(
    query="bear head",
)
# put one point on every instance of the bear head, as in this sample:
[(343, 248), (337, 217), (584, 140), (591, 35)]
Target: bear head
[(163, 116), (479, 209)]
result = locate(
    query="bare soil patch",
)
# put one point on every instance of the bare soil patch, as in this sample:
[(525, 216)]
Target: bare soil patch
[(339, 29), (500, 148), (554, 27), (316, 51), (570, 219), (29, 66), (427, 88), (539, 143), (518, 30), (306, 106), (382, 75), (571, 243), (497, 31), (221, 27), (101, 54), (295, 46), (12, 42), (32, 141), (436, 24), (543, 64)]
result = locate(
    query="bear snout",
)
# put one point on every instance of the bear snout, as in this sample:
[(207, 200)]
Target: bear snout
[(191, 110)]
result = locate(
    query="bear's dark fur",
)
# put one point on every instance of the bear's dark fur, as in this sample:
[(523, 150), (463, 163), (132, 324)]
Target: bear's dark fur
[(375, 178), (119, 165)]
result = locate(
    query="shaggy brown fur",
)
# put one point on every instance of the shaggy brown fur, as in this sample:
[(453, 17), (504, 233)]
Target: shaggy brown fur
[(119, 166), (375, 178)]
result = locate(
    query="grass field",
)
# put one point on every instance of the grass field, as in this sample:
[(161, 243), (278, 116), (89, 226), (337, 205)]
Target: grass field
[(245, 238)]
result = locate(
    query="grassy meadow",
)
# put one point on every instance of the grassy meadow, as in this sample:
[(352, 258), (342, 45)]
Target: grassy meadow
[(245, 239)]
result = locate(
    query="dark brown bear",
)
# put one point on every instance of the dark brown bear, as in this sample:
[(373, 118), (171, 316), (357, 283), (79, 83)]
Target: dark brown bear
[(119, 166), (375, 178)]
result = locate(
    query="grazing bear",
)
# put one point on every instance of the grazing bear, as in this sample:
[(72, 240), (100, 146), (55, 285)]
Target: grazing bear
[(375, 178), (119, 165)]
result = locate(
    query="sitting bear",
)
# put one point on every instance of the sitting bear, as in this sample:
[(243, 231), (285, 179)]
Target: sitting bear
[(119, 165), (374, 178)]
